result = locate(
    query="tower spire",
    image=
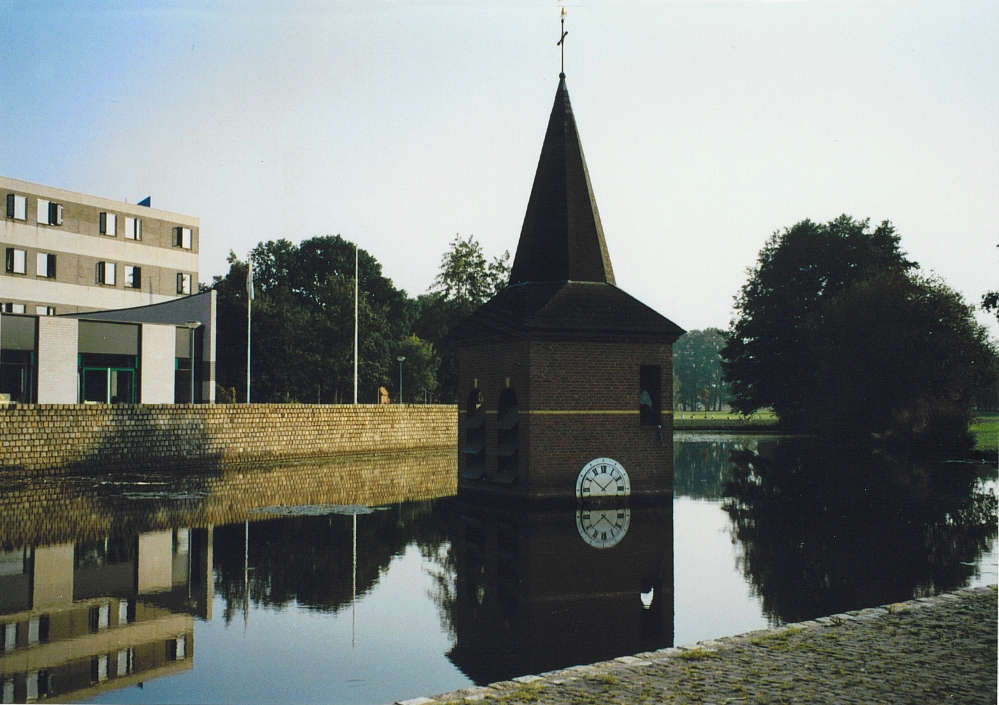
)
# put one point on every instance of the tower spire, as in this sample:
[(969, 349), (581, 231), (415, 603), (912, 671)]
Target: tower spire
[(562, 238)]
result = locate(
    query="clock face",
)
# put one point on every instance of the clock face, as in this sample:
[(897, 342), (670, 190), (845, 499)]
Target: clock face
[(603, 527), (602, 477)]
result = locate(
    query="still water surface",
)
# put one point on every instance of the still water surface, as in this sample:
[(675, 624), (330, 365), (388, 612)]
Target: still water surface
[(337, 602)]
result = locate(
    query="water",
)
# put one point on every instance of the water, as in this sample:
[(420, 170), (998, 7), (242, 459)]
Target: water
[(145, 589)]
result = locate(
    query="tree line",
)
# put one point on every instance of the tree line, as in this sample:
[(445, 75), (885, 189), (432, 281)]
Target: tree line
[(303, 323), (836, 330)]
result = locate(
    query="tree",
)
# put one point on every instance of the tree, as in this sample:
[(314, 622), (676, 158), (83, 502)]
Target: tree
[(696, 367), (837, 334), (465, 278), (303, 322), (990, 302), (419, 370), (464, 282)]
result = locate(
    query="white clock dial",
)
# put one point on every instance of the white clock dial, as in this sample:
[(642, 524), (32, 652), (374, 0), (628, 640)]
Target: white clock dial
[(602, 477), (603, 527)]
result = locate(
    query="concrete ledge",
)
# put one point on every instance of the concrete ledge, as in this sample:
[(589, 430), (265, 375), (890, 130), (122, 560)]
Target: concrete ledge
[(933, 649)]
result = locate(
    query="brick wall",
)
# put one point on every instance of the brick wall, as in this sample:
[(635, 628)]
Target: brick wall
[(578, 401), (59, 437)]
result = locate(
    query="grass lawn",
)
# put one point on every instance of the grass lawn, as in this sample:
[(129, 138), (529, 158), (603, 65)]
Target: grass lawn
[(986, 430), (722, 419)]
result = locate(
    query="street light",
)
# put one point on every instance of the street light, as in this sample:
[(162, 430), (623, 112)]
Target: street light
[(401, 359), (192, 326)]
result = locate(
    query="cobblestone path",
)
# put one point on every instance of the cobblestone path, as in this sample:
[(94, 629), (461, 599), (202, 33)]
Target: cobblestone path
[(932, 650)]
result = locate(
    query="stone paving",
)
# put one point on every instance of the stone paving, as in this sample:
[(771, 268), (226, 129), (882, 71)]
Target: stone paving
[(930, 650)]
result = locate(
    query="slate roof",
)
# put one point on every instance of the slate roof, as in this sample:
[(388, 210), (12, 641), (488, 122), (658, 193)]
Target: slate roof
[(565, 310), (561, 283), (562, 238)]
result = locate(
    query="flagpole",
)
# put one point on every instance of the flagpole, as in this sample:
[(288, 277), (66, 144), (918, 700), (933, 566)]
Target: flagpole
[(355, 322), (249, 306)]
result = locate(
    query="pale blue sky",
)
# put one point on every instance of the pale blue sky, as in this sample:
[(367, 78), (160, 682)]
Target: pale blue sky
[(706, 125)]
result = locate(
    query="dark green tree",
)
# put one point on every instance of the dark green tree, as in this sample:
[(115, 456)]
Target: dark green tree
[(797, 271), (303, 323), (419, 370), (837, 334), (990, 302), (464, 282), (900, 356), (697, 367)]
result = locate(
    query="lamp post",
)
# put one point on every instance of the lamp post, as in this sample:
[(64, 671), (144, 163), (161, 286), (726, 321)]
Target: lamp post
[(401, 359), (192, 326)]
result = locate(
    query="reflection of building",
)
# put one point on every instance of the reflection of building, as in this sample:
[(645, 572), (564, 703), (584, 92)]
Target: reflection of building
[(535, 592), (562, 367), (78, 619)]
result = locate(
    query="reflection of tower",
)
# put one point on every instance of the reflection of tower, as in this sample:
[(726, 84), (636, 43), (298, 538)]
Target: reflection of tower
[(562, 367), (536, 592), (79, 619)]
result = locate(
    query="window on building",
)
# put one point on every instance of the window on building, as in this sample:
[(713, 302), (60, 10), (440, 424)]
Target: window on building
[(133, 277), (13, 308), (44, 310), (183, 238), (133, 228), (9, 636), (49, 213), (109, 224), (183, 283), (176, 648), (126, 662), (17, 206), (106, 273), (45, 265), (16, 261), (650, 395)]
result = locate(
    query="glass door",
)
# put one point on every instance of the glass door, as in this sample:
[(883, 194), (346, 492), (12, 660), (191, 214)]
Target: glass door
[(107, 385)]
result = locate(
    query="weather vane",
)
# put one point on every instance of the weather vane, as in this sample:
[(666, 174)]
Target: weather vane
[(561, 41)]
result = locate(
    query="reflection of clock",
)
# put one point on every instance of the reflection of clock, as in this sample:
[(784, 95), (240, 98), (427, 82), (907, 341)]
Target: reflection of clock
[(603, 527), (602, 477)]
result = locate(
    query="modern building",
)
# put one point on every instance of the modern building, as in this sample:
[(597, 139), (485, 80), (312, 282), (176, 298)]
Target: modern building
[(67, 252), (99, 302), (562, 375)]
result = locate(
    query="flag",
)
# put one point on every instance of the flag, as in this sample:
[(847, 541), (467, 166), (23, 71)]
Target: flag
[(249, 279)]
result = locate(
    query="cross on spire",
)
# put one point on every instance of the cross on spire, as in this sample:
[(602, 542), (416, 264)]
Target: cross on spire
[(561, 42)]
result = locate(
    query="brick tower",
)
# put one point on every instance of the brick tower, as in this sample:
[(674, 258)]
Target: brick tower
[(564, 379)]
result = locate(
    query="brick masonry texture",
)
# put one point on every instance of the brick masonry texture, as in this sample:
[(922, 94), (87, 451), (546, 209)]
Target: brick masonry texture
[(930, 650), (574, 376), (61, 437)]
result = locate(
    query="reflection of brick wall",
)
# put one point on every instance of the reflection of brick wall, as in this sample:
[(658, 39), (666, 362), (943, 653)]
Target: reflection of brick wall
[(36, 511), (56, 437)]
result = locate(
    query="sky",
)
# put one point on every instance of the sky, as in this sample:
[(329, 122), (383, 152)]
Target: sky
[(706, 125)]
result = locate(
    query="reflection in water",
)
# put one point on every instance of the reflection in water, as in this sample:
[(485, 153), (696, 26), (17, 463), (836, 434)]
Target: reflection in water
[(824, 530), (541, 589), (106, 583), (80, 618), (302, 560)]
